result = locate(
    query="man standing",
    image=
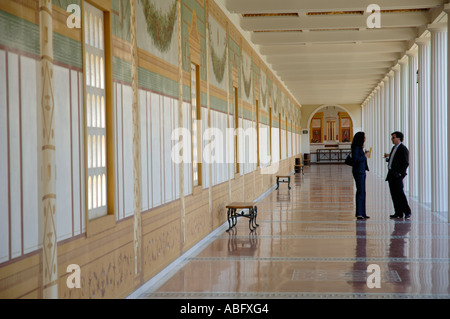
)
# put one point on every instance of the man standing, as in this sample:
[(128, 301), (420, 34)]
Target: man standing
[(398, 162)]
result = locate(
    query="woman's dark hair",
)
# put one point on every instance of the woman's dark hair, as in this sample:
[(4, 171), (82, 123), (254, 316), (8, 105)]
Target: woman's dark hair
[(358, 140)]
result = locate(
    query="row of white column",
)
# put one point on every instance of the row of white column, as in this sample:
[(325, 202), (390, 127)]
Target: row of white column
[(413, 98)]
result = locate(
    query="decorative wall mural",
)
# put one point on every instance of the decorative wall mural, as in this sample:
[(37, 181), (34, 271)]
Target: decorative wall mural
[(247, 77), (160, 25), (121, 19), (275, 99), (157, 28), (218, 56), (264, 91)]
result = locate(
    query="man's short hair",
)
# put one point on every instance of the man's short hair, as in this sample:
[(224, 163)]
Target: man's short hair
[(399, 135)]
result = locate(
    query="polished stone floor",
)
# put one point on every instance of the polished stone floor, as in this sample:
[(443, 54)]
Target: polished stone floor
[(309, 245)]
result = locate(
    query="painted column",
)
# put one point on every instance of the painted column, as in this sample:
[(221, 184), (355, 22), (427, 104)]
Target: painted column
[(424, 131), (413, 124), (439, 162), (136, 145), (48, 169), (180, 122), (404, 68)]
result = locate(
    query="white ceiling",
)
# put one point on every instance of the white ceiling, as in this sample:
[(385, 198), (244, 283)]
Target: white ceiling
[(332, 58)]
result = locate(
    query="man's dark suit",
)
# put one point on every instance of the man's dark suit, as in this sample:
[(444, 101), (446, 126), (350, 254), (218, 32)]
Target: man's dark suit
[(395, 177)]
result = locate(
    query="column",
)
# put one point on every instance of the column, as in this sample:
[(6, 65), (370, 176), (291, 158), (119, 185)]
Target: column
[(386, 133), (404, 107), (378, 155), (379, 132), (369, 123), (180, 121), (439, 163), (447, 9), (363, 116), (404, 100), (413, 124), (48, 168), (138, 256), (397, 70), (424, 138), (391, 104), (375, 129)]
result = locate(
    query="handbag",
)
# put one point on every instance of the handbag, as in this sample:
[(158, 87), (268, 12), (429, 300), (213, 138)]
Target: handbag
[(349, 160)]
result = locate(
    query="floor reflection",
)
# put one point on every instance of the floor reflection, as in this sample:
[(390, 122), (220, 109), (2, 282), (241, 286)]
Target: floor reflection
[(399, 268), (241, 246), (308, 245)]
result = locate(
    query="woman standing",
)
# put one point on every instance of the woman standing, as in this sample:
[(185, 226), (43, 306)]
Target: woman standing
[(359, 173)]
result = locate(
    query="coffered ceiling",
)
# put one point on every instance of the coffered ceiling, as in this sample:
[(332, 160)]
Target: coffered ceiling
[(325, 51)]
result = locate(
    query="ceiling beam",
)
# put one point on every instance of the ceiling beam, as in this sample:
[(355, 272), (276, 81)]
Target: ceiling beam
[(336, 48), (306, 66), (335, 82), (390, 20), (342, 77), (352, 71), (333, 58), (295, 88), (277, 38), (260, 6)]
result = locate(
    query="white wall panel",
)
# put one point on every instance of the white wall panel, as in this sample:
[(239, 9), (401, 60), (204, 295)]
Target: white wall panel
[(149, 149), (29, 154), (82, 165), (4, 193), (205, 165), (176, 167), (128, 150), (63, 153), (14, 155), (119, 150), (167, 148), (76, 149), (156, 149), (188, 165), (144, 154)]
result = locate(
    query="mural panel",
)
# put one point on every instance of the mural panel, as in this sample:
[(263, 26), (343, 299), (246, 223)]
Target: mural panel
[(217, 53), (157, 28)]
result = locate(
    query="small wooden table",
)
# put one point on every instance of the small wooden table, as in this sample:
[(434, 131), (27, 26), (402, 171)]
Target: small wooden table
[(233, 214), (281, 179)]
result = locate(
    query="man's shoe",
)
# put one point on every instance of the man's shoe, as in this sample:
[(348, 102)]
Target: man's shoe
[(408, 216), (359, 217), (395, 216), (366, 216)]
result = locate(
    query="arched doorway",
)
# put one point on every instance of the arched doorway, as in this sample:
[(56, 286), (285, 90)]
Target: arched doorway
[(330, 133)]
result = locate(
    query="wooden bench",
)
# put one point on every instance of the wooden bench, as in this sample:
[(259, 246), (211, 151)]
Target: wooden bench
[(282, 179), (233, 214)]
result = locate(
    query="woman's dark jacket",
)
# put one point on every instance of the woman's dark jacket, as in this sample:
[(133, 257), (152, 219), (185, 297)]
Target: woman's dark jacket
[(359, 161)]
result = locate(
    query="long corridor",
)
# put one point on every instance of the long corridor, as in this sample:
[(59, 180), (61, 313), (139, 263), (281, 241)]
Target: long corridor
[(309, 245)]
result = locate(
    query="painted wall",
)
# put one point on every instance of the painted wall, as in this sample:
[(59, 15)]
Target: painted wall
[(174, 218)]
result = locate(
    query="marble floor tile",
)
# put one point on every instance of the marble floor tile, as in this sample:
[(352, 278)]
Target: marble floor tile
[(309, 245)]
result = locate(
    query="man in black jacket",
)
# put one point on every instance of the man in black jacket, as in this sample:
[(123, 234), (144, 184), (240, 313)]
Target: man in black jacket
[(398, 162)]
